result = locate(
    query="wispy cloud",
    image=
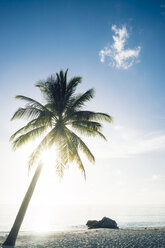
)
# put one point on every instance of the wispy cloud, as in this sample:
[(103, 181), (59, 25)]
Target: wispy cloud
[(162, 6), (155, 178), (134, 144), (120, 57), (125, 142)]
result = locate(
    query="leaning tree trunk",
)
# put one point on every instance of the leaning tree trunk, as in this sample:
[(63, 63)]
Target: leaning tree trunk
[(10, 241)]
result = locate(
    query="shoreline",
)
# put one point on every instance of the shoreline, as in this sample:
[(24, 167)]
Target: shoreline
[(141, 237)]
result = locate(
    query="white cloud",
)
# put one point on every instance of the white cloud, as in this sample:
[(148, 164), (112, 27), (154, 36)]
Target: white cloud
[(120, 57)]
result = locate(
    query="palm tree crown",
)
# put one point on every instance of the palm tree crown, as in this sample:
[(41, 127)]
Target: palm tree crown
[(57, 120)]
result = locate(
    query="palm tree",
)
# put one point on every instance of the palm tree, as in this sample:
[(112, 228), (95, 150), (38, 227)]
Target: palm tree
[(56, 120)]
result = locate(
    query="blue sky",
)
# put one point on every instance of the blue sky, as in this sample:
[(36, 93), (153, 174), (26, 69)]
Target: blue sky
[(39, 38)]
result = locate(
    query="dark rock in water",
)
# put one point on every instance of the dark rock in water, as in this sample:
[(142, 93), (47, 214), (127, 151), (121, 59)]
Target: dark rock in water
[(92, 224), (104, 223), (108, 223)]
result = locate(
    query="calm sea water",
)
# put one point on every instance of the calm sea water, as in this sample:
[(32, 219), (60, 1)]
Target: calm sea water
[(71, 217)]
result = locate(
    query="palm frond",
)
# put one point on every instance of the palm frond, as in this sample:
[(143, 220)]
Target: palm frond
[(65, 76), (67, 150), (54, 93), (62, 109), (60, 168), (26, 128), (71, 86), (22, 139), (84, 130), (73, 144), (82, 146), (35, 123), (90, 115), (95, 126), (32, 102), (63, 84), (80, 164), (51, 92), (82, 99), (28, 112), (44, 144)]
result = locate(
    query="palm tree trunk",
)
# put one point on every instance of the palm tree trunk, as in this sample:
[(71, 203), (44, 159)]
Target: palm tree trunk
[(10, 241)]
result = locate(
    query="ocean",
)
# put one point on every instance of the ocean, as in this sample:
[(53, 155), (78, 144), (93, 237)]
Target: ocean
[(74, 217)]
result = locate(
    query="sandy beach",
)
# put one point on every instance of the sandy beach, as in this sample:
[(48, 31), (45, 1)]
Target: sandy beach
[(102, 238)]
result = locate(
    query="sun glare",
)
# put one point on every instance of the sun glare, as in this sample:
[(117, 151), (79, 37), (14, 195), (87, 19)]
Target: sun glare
[(41, 222), (51, 192), (47, 180), (49, 157), (44, 193)]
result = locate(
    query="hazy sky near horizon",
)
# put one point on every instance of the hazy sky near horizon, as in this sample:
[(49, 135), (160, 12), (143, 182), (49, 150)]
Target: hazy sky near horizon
[(118, 49)]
